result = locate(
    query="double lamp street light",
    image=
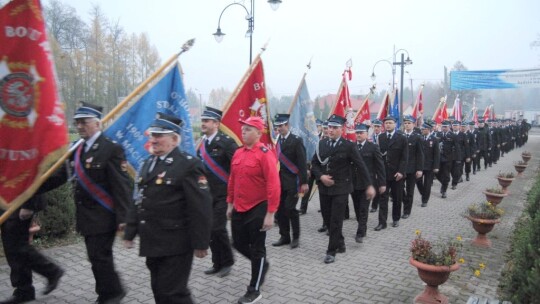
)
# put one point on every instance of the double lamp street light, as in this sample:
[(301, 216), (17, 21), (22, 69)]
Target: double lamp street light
[(403, 62), (250, 17)]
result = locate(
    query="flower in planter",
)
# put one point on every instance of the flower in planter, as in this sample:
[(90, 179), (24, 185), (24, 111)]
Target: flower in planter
[(496, 190), (520, 163), (440, 253), (506, 174), (484, 210), (526, 153)]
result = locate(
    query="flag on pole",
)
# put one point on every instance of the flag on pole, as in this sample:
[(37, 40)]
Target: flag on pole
[(302, 119), (343, 108), (394, 109), (441, 113), (385, 105), (248, 99), (363, 113), (474, 111), (456, 111), (166, 95), (487, 113), (33, 131), (418, 108)]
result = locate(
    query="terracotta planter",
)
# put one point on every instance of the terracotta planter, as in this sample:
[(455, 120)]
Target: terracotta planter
[(526, 158), (433, 276), (505, 182), (494, 198), (520, 169), (482, 226)]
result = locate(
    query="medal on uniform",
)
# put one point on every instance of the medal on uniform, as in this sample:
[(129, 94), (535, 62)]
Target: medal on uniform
[(159, 179), (88, 162)]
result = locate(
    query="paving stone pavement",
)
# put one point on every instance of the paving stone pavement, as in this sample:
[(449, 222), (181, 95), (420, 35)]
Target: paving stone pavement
[(376, 271)]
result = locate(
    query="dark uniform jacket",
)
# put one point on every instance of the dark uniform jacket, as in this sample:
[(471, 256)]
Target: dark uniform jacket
[(105, 165), (450, 149), (292, 148), (415, 161), (432, 156), (464, 146), (172, 213), (336, 162), (371, 154), (483, 140), (472, 143), (395, 153), (221, 150)]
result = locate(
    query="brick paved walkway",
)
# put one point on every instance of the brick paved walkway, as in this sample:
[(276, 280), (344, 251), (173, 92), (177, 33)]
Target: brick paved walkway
[(376, 271)]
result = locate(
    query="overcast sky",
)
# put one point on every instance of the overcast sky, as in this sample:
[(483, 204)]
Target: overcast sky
[(482, 34)]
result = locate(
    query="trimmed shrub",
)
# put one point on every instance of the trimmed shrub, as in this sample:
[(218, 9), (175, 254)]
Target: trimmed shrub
[(58, 218)]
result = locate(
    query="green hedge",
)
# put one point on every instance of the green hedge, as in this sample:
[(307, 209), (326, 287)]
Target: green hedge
[(58, 218), (521, 279)]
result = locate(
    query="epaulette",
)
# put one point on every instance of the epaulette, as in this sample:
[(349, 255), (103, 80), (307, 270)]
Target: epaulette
[(264, 149)]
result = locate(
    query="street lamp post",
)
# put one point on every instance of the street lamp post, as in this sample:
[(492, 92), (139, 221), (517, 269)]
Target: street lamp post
[(391, 66), (402, 63), (250, 17), (412, 90)]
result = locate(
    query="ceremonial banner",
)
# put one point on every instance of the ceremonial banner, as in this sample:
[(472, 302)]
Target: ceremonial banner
[(302, 120), (166, 95), (474, 111), (33, 132), (385, 104), (343, 108), (394, 109), (418, 108), (489, 113), (456, 111), (441, 113), (363, 113), (248, 99), (495, 79)]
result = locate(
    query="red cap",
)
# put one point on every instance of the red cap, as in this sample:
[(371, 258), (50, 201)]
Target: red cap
[(253, 121)]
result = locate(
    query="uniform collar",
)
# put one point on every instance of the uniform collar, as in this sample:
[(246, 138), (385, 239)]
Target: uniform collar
[(91, 141)]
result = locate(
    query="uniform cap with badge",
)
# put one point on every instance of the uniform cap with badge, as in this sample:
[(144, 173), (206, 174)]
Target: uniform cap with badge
[(392, 118), (409, 118), (88, 110), (358, 128), (336, 120), (165, 124), (281, 119), (376, 122), (212, 113), (426, 125), (325, 124), (253, 121), (318, 122)]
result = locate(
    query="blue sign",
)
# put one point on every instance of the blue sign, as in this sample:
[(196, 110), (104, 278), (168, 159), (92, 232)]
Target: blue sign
[(302, 120), (494, 79), (167, 95)]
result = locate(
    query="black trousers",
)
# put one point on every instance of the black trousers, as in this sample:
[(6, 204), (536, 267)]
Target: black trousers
[(376, 199), (456, 172), (305, 199), (396, 189), (249, 240), (220, 245), (100, 254), (480, 155), (169, 277), (23, 258), (424, 185), (287, 215), (444, 175), (468, 166), (333, 208), (361, 209), (495, 154), (408, 196)]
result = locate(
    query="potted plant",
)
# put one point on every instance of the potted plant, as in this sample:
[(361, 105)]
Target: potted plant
[(526, 156), (495, 195), (435, 262), (505, 180), (483, 216), (520, 167)]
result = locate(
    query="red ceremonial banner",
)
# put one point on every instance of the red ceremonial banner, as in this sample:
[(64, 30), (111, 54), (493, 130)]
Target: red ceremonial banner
[(249, 99), (343, 108), (385, 104), (363, 113), (33, 132)]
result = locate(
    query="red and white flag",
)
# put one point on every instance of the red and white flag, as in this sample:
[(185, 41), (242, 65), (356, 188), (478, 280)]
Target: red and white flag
[(343, 107), (33, 132), (474, 113), (363, 113), (441, 113), (418, 109), (488, 116), (456, 111), (248, 99), (385, 104)]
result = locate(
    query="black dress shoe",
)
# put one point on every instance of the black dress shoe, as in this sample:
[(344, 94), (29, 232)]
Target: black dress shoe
[(212, 270), (341, 249), (116, 299), (405, 216), (302, 211), (295, 243), (329, 259), (224, 271), (18, 299), (322, 229), (443, 195), (380, 227), (373, 210), (281, 242), (467, 178), (395, 224), (359, 239), (454, 187), (424, 205), (53, 282)]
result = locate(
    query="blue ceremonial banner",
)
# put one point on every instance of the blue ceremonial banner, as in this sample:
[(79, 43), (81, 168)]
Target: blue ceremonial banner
[(495, 79), (167, 95), (302, 120), (394, 109)]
